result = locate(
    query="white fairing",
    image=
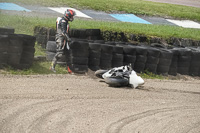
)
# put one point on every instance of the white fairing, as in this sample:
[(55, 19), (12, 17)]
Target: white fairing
[(108, 73), (135, 80)]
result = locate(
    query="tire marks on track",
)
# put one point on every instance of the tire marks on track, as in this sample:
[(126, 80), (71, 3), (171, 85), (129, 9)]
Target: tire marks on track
[(150, 115)]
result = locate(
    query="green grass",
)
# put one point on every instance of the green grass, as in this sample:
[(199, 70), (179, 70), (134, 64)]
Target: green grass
[(138, 7), (25, 25), (36, 68)]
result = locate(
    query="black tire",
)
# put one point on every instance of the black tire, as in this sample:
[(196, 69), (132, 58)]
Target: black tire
[(166, 54), (152, 60), (162, 69), (7, 31), (3, 58), (172, 71), (116, 82), (117, 64), (183, 51), (99, 73), (14, 59), (79, 60), (153, 52), (78, 68), (94, 62), (93, 32), (79, 45), (94, 54), (184, 58), (105, 64), (95, 46), (129, 50), (118, 57), (51, 46), (106, 56), (141, 50), (164, 62), (183, 64), (183, 70), (29, 49), (106, 48), (141, 58), (27, 58), (118, 49), (110, 43), (139, 67), (79, 53), (94, 68), (129, 58), (99, 41), (151, 67)]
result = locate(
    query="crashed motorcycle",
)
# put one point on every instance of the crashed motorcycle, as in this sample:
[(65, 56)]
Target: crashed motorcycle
[(120, 76)]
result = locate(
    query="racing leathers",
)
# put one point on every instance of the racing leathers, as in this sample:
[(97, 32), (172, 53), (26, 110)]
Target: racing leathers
[(62, 39)]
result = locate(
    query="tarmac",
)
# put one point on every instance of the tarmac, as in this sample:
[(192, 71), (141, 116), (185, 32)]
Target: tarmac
[(40, 11)]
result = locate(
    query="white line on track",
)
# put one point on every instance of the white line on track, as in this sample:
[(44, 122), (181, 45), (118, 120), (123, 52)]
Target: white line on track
[(185, 23), (63, 9)]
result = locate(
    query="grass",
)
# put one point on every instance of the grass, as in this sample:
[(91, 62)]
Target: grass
[(138, 7), (36, 68), (25, 25)]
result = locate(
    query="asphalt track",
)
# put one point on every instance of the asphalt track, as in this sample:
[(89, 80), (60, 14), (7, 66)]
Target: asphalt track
[(39, 11)]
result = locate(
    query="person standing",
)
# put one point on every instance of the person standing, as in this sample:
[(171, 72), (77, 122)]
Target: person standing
[(62, 37)]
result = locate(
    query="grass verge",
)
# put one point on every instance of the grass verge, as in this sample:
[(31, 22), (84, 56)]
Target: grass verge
[(36, 68), (25, 25)]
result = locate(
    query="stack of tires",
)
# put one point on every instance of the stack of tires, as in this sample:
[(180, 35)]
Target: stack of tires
[(15, 49), (5, 31), (4, 42), (51, 48), (129, 55), (41, 35), (118, 56), (152, 61), (94, 56), (28, 51), (184, 59), (78, 54), (106, 56), (141, 57), (174, 63), (165, 59), (90, 34), (195, 62)]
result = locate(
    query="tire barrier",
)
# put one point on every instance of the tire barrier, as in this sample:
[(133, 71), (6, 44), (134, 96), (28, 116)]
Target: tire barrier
[(4, 31), (141, 58), (165, 59), (77, 58), (94, 56), (17, 50), (152, 61), (129, 55), (195, 62), (174, 63), (106, 56), (184, 58), (118, 56), (146, 57)]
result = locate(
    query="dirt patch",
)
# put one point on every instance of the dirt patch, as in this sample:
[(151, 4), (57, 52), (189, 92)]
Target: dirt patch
[(83, 103)]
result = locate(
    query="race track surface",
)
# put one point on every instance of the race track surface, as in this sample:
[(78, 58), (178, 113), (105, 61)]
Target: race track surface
[(84, 104)]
